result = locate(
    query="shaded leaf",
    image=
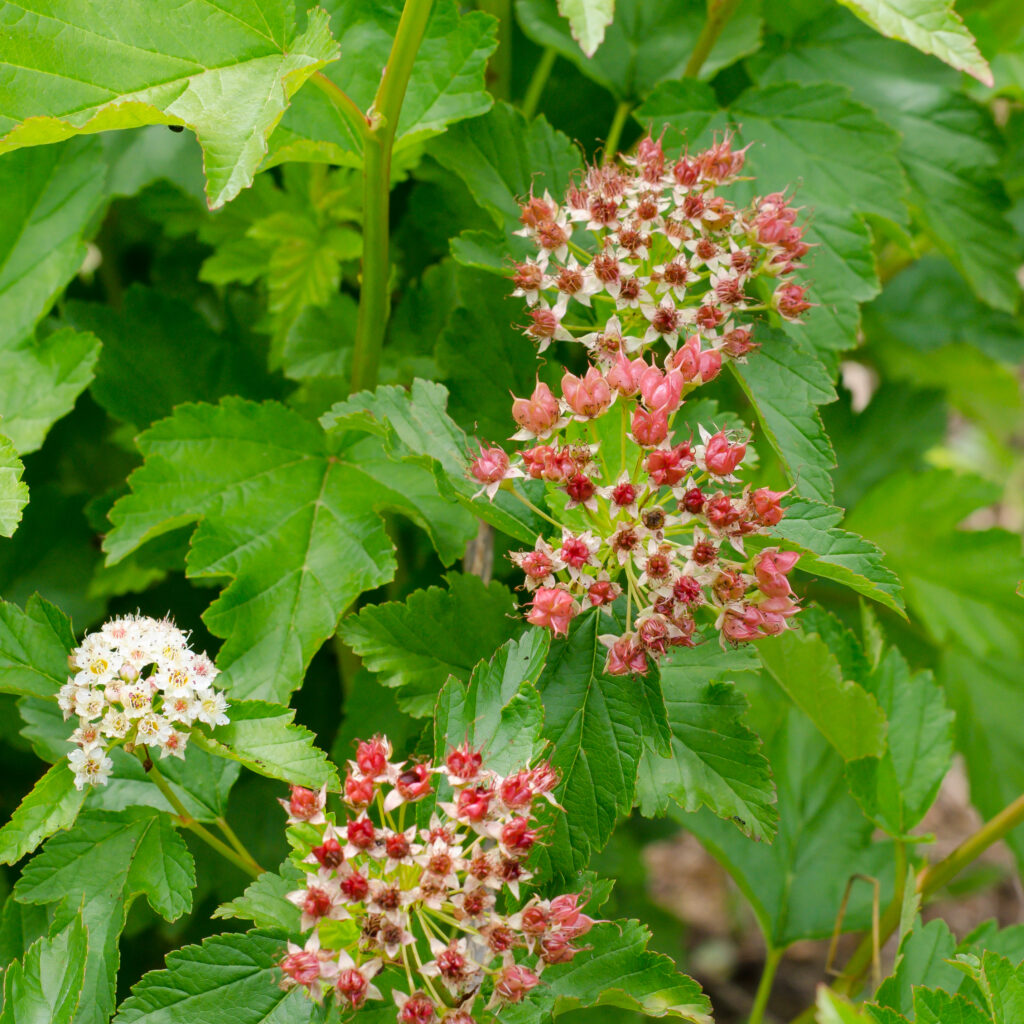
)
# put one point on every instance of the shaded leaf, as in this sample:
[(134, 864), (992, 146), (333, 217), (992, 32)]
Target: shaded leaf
[(13, 493), (52, 804), (265, 902), (45, 987), (34, 648), (291, 512), (226, 70), (716, 759)]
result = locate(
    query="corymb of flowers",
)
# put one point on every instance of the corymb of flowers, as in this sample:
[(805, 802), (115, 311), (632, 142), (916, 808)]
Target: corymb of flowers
[(136, 683), (661, 279), (422, 911)]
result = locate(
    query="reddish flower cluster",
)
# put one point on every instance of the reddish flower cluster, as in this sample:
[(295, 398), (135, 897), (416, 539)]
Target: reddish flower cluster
[(424, 901), (643, 511)]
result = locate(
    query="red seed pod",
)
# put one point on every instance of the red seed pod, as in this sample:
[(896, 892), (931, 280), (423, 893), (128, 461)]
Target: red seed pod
[(329, 853)]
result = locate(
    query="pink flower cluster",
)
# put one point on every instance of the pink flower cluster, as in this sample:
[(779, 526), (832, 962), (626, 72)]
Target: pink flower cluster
[(423, 902), (642, 510)]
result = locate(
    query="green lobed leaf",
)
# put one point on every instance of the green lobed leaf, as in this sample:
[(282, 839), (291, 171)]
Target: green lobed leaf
[(52, 805), (844, 158), (834, 1009), (836, 554), (921, 961), (616, 970), (265, 738), (499, 710), (226, 70), (229, 979), (34, 648), (932, 26), (597, 725), (97, 869), (416, 645), (937, 1007), (1001, 984), (588, 20), (846, 714), (446, 84), (897, 789), (950, 149), (13, 493), (265, 902), (290, 512), (822, 838), (786, 382), (45, 987), (649, 41), (716, 759)]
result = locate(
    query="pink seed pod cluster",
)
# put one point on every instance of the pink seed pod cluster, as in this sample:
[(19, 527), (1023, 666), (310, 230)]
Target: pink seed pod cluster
[(426, 903), (662, 280)]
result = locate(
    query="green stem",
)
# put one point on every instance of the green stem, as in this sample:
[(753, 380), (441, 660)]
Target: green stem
[(241, 859), (499, 70), (534, 91), (764, 988), (344, 104), (229, 834), (719, 13), (611, 145), (533, 508), (375, 296)]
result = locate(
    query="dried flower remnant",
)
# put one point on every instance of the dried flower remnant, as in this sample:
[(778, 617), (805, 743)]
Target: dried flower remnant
[(425, 901), (136, 682), (667, 294)]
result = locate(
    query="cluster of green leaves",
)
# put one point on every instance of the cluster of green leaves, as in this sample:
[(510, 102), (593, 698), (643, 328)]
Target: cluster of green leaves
[(178, 319)]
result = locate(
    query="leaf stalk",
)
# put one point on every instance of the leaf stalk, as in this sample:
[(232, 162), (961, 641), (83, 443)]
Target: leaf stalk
[(719, 13)]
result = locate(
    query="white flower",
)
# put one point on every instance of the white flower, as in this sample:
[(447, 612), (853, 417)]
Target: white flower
[(90, 766), (89, 704), (115, 724), (212, 708)]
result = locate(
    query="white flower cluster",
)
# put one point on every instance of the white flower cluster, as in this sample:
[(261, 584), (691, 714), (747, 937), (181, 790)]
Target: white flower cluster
[(136, 682)]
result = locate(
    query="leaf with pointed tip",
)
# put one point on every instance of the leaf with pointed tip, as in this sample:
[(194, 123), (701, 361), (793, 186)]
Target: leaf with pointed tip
[(588, 20), (847, 715), (290, 512), (446, 84), (98, 868), (13, 493), (226, 70), (265, 902), (922, 960), (265, 738), (499, 710), (52, 804), (229, 979), (416, 645), (932, 26), (34, 648), (616, 969), (786, 383), (937, 1007), (597, 724), (836, 554), (46, 985), (716, 759)]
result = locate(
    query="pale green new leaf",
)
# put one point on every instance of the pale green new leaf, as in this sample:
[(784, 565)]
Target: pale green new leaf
[(97, 869), (615, 970), (229, 979), (46, 985), (786, 383), (716, 759), (836, 554), (597, 725), (226, 70), (846, 714), (34, 648), (499, 711), (588, 20), (52, 804), (265, 902), (13, 493), (290, 512), (416, 645), (446, 84), (265, 738), (931, 26)]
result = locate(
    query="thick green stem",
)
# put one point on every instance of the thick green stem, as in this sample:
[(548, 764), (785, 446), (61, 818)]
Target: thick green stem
[(611, 144), (534, 91), (764, 988), (499, 70), (374, 296), (240, 859), (719, 13), (929, 880)]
